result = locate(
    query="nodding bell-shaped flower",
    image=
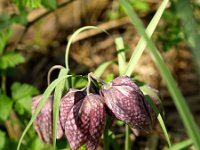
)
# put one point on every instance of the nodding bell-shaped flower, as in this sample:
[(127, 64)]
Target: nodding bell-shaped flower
[(127, 103), (43, 123), (83, 118)]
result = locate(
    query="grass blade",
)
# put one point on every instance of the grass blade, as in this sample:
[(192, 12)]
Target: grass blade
[(101, 68), (186, 116), (56, 104), (142, 43), (182, 145), (121, 55)]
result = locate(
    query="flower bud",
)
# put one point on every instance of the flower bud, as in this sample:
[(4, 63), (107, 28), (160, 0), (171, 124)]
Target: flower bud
[(43, 122), (83, 117), (127, 102)]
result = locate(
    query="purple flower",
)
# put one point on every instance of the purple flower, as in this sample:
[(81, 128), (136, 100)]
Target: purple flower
[(43, 122), (83, 118), (127, 103)]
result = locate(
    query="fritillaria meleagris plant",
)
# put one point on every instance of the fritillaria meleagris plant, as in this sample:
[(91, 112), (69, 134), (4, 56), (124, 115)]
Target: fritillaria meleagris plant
[(43, 122), (127, 103), (83, 116)]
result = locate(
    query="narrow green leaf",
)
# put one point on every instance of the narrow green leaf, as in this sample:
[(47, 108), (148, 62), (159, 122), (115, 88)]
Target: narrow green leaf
[(121, 55), (139, 49), (49, 4), (175, 92), (56, 103), (5, 106), (44, 97), (11, 59), (182, 145), (101, 68)]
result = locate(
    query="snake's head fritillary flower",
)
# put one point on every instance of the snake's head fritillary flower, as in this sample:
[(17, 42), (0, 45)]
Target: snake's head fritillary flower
[(83, 118), (43, 122), (127, 102)]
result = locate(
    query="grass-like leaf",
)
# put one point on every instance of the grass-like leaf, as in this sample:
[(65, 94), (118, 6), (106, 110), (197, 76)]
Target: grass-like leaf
[(56, 104), (175, 92), (120, 55), (142, 43), (101, 68), (182, 145)]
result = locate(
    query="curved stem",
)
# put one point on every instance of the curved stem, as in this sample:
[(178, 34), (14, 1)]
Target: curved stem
[(92, 75), (72, 39), (51, 70)]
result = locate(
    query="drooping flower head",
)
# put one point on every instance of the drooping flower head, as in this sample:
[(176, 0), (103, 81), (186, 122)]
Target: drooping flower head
[(127, 102), (83, 118), (43, 122)]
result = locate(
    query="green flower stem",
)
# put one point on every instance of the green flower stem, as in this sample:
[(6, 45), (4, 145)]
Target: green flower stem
[(74, 36), (175, 92), (106, 139), (127, 140)]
